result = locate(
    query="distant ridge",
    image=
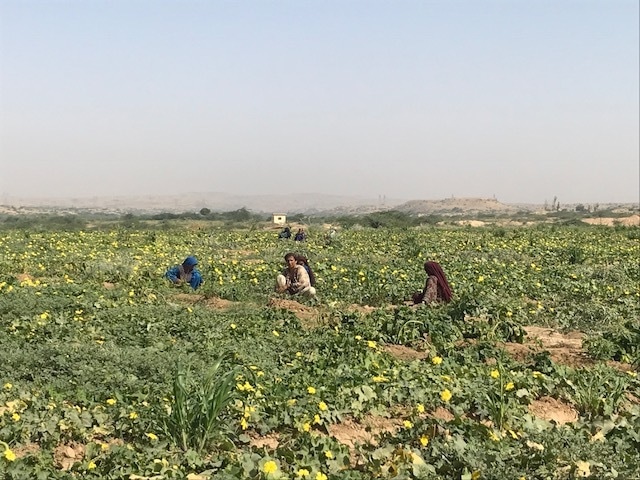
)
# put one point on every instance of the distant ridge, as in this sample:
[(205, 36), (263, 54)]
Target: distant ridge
[(455, 205), (307, 203)]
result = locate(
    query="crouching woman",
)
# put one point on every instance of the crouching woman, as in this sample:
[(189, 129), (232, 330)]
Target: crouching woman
[(294, 279), (436, 289)]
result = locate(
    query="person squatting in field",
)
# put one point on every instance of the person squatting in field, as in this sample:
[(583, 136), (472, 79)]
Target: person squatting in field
[(436, 288), (302, 260), (294, 279), (185, 273)]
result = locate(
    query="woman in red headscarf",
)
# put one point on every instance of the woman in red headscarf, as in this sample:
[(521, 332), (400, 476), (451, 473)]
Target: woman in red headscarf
[(436, 288)]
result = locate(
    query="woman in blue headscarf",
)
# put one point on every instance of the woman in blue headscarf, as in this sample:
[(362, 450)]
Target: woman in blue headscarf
[(185, 273)]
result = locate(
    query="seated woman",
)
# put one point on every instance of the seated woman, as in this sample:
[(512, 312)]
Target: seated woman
[(294, 279), (302, 260), (436, 288), (285, 233), (185, 273), (301, 236)]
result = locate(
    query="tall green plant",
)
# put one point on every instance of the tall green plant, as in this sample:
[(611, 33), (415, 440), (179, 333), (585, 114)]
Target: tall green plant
[(195, 417)]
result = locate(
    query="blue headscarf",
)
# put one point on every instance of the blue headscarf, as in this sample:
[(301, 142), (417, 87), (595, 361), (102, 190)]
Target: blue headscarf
[(190, 262)]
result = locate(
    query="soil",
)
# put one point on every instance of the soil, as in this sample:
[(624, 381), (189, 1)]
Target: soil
[(553, 410), (404, 353), (27, 450), (632, 221), (22, 277), (565, 349), (270, 441), (442, 414), (303, 312), (349, 432), (65, 455), (211, 302)]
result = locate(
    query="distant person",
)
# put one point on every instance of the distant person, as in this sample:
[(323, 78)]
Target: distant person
[(294, 279), (185, 273), (285, 233), (436, 288), (302, 260), (301, 236)]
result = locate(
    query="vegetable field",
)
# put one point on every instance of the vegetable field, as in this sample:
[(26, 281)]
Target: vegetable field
[(107, 371)]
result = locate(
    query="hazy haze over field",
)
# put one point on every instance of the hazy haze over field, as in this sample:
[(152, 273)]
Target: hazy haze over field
[(409, 99)]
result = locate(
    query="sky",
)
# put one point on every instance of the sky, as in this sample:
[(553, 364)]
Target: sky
[(519, 100)]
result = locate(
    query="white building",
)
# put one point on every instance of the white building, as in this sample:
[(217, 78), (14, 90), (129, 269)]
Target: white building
[(279, 218)]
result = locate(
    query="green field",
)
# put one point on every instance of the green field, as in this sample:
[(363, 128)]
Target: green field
[(109, 372)]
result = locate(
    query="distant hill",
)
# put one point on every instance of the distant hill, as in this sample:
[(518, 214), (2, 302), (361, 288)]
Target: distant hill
[(310, 203), (307, 204), (450, 206)]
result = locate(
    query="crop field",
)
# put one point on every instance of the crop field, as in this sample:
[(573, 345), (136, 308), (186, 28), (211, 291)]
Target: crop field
[(531, 372)]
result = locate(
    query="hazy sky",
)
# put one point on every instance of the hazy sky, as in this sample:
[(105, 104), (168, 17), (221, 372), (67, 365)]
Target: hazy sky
[(521, 99)]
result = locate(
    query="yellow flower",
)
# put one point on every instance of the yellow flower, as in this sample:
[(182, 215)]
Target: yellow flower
[(407, 424), (420, 408), (8, 386), (436, 360), (233, 326), (9, 455), (480, 279), (322, 406), (311, 390), (379, 379), (298, 354), (321, 476), (270, 467), (583, 469), (275, 333), (371, 344), (111, 401), (424, 440), (306, 427), (538, 375), (303, 472), (328, 454), (15, 417), (91, 465), (495, 374), (244, 424), (152, 436), (133, 415), (291, 402), (445, 395), (316, 419), (509, 386)]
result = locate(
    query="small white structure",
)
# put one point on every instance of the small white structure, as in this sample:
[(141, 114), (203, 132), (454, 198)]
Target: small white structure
[(279, 218)]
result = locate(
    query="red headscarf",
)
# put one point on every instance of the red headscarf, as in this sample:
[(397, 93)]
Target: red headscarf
[(444, 291)]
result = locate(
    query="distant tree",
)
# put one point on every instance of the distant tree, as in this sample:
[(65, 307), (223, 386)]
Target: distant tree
[(580, 208), (205, 211)]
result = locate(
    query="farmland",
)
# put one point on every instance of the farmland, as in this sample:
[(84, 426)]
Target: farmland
[(109, 372)]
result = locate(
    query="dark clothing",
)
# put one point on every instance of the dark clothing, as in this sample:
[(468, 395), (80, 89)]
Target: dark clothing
[(286, 233)]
